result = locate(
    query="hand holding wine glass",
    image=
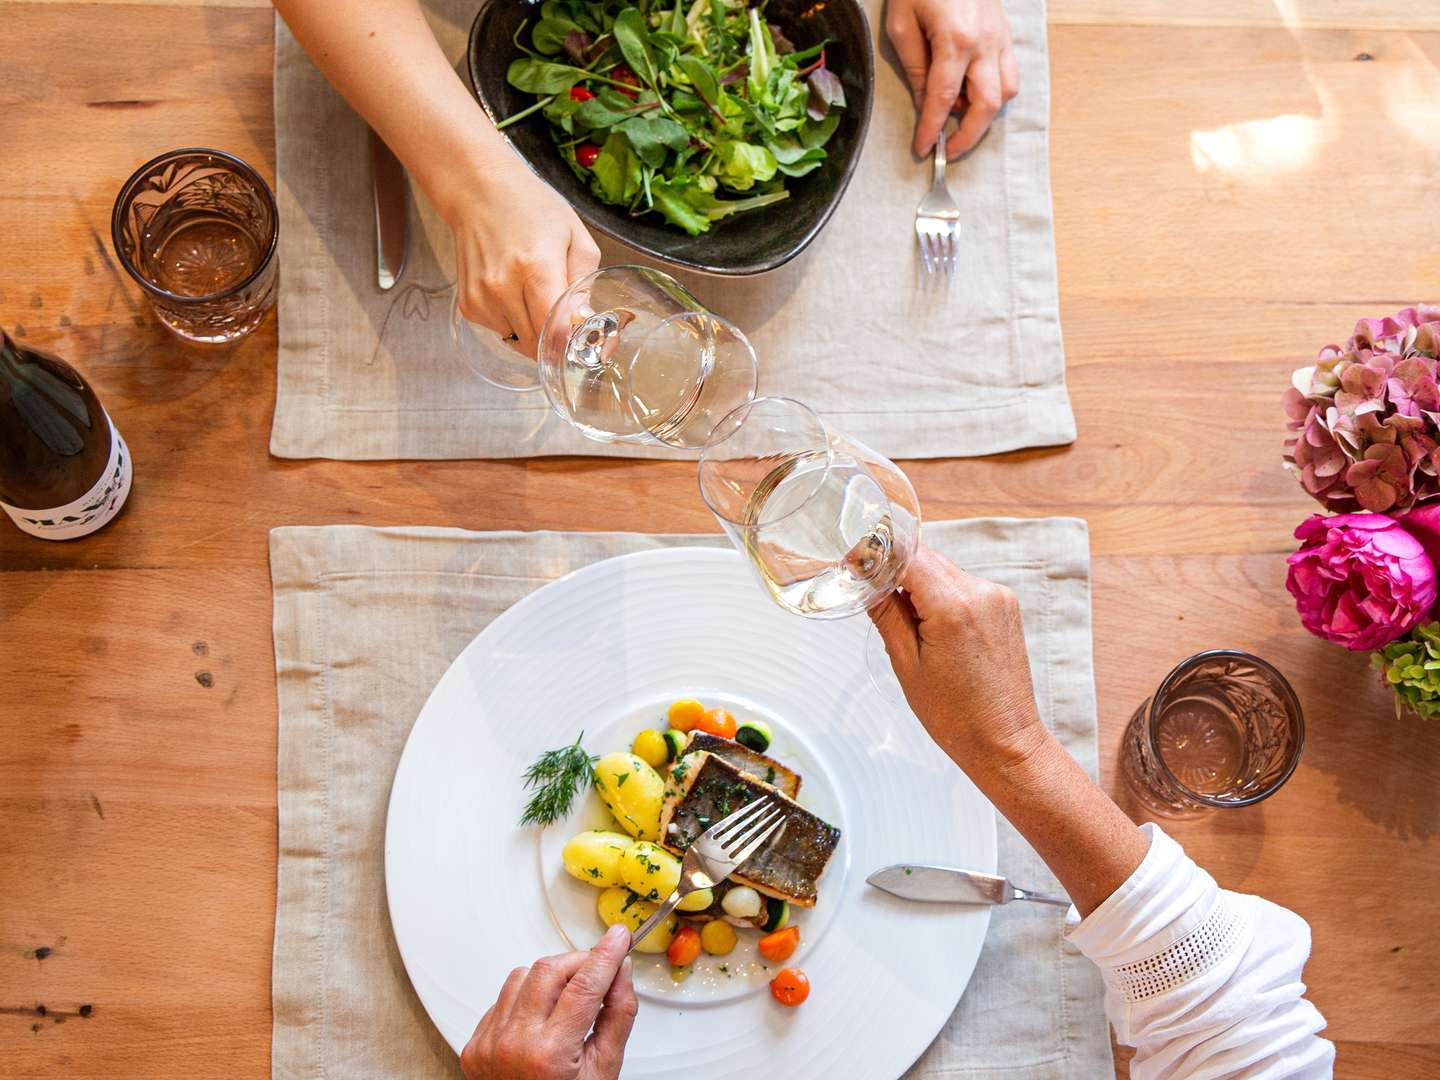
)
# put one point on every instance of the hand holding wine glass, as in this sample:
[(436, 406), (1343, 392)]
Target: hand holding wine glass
[(950, 630)]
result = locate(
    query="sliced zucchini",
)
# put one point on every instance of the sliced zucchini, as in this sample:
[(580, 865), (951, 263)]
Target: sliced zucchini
[(675, 743), (777, 914), (754, 735)]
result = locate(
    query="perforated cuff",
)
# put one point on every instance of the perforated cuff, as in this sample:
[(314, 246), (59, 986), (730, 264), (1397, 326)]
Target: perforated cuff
[(1200, 950)]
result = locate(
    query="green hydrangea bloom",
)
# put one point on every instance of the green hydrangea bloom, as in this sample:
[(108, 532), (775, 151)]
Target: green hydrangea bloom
[(1411, 667)]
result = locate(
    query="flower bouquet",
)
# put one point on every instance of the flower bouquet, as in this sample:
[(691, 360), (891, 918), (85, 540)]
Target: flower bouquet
[(1366, 418)]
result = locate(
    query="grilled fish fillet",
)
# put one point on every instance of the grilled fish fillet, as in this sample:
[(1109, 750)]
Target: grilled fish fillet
[(747, 760), (709, 788)]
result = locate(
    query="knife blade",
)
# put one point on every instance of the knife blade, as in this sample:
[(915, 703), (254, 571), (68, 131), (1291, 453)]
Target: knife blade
[(391, 197), (946, 885)]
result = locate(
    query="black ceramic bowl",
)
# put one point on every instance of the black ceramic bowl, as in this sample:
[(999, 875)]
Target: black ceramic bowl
[(748, 243)]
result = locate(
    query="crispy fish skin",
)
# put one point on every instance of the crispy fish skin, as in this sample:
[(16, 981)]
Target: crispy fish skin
[(747, 760), (788, 867)]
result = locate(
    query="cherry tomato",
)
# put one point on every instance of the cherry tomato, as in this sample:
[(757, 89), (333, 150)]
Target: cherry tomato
[(586, 153), (684, 946), (717, 722), (791, 987), (781, 945), (623, 73), (579, 93), (685, 714)]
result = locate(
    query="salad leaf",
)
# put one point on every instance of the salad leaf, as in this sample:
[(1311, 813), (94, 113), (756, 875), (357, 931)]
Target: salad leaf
[(617, 169), (742, 165), (814, 134), (652, 136), (610, 107), (550, 35), (703, 78), (542, 77), (762, 54), (634, 41), (826, 92)]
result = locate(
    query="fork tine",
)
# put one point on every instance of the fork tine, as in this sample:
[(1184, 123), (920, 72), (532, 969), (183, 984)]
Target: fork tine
[(953, 234), (755, 844), (743, 835), (922, 233), (727, 826)]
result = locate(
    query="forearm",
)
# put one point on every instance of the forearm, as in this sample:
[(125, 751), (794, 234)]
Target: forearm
[(383, 58), (1086, 840)]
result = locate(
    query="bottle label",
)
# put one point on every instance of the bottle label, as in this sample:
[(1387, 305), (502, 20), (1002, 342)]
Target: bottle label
[(91, 511)]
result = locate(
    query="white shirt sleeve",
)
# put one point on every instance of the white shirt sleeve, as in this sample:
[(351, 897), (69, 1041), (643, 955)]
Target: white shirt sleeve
[(1203, 982)]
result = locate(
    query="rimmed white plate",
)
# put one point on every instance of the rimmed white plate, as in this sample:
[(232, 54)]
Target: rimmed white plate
[(604, 650)]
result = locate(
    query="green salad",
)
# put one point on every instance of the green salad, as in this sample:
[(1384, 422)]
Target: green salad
[(695, 112)]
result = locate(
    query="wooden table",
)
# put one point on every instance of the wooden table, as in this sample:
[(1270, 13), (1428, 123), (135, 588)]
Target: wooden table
[(1233, 188)]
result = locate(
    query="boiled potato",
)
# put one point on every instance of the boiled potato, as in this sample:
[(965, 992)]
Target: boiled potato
[(617, 905), (594, 857), (633, 791), (649, 871), (652, 873), (698, 900)]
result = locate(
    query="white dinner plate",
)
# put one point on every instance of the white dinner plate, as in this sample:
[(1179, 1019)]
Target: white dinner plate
[(604, 650)]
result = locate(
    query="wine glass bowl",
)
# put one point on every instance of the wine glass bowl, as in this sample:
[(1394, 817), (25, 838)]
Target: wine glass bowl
[(828, 524), (627, 354)]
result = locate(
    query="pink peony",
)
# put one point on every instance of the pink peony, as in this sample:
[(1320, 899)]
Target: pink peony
[(1360, 580)]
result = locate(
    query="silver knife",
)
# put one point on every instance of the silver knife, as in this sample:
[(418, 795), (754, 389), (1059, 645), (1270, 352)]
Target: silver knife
[(944, 885), (390, 211)]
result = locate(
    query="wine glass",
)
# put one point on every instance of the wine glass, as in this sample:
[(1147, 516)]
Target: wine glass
[(828, 524), (627, 354)]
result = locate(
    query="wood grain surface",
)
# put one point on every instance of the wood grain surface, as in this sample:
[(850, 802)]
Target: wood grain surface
[(1235, 183)]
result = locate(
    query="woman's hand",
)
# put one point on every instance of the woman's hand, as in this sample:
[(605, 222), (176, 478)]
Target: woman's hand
[(954, 50), (537, 1028), (518, 246), (958, 648)]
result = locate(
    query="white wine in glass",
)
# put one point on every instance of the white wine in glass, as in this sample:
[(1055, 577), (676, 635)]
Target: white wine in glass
[(828, 524), (627, 354)]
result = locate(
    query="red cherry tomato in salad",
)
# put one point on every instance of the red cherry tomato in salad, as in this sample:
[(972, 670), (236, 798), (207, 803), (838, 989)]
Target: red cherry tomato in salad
[(586, 153), (781, 945), (623, 73), (579, 93), (717, 722), (791, 987), (684, 946)]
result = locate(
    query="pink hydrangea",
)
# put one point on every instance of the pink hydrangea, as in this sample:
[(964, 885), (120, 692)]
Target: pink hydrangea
[(1367, 416)]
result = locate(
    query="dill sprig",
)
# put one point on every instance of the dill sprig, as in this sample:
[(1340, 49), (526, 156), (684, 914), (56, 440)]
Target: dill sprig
[(557, 777)]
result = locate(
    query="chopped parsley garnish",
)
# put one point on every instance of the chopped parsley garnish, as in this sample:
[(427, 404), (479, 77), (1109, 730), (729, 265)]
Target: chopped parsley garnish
[(908, 871), (653, 894), (593, 871), (628, 901), (770, 774), (620, 780), (681, 768)]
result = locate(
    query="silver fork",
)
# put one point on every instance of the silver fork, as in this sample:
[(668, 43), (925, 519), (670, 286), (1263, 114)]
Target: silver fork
[(937, 220), (717, 853)]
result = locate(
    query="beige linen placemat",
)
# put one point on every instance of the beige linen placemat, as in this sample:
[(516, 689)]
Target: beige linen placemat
[(914, 368), (366, 622)]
